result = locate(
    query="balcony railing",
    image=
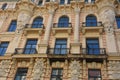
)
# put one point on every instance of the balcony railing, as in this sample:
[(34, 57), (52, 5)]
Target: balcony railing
[(91, 24), (34, 26), (25, 51), (58, 51), (94, 51), (62, 25)]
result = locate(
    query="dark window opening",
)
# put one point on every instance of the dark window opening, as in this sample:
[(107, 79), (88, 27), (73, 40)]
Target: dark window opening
[(4, 6), (56, 74), (21, 74), (94, 74)]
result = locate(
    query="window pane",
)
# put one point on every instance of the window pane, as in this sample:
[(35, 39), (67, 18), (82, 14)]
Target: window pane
[(3, 48), (92, 46), (60, 46), (62, 1), (63, 22), (37, 23), (118, 21), (12, 26), (30, 47), (91, 21)]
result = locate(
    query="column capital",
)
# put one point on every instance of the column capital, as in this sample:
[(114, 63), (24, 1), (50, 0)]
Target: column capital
[(51, 11), (77, 10)]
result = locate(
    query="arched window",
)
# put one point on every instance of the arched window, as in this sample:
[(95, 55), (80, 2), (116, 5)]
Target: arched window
[(63, 21), (4, 6), (37, 23), (118, 21), (91, 20)]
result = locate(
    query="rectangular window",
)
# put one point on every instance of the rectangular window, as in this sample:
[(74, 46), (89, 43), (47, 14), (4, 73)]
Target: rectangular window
[(60, 46), (3, 48), (12, 26), (92, 46), (118, 21), (62, 2), (94, 74), (56, 74), (30, 47), (21, 74)]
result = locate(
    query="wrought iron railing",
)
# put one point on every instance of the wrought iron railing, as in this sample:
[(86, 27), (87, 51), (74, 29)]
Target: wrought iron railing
[(34, 26), (91, 24), (58, 51), (94, 51), (25, 51), (62, 25)]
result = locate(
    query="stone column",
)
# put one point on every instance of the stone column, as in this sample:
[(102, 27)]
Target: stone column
[(108, 18), (44, 45), (49, 25), (24, 15), (77, 21), (75, 46)]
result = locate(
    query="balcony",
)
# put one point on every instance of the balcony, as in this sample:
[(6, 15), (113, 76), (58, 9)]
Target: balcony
[(94, 53), (34, 28), (92, 27), (25, 51), (62, 28), (58, 52)]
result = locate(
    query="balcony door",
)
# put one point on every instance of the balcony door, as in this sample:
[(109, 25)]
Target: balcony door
[(92, 46), (60, 46), (91, 21)]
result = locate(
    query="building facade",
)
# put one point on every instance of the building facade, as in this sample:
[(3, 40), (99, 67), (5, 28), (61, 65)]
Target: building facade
[(59, 39)]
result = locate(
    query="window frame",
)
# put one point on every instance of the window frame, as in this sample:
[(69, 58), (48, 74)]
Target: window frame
[(58, 75)]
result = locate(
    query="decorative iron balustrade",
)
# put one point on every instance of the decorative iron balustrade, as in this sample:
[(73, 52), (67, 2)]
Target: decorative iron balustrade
[(25, 51), (91, 24), (34, 26), (94, 51), (58, 51), (62, 25)]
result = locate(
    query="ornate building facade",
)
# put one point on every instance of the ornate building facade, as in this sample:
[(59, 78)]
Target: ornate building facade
[(59, 39)]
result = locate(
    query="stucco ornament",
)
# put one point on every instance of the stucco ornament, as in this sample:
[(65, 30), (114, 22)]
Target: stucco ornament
[(4, 67), (38, 69), (75, 70), (108, 18), (115, 68)]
